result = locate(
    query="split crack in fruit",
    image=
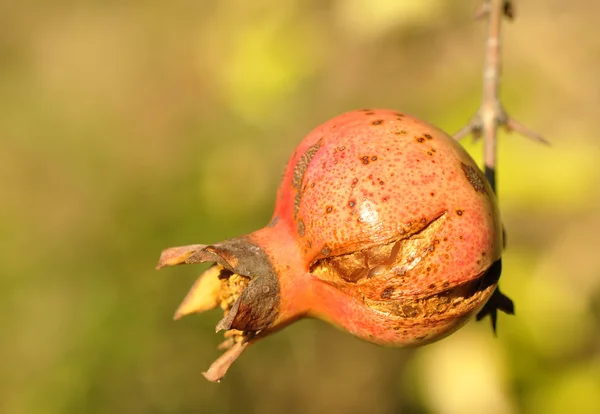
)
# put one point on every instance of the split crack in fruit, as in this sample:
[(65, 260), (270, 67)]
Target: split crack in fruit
[(384, 226)]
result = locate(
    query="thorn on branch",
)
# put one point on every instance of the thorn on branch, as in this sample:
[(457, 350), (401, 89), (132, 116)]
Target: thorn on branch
[(482, 11), (502, 119), (474, 127), (514, 125), (508, 9)]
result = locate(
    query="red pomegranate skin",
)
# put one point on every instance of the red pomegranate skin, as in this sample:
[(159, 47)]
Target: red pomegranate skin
[(366, 177), (383, 226)]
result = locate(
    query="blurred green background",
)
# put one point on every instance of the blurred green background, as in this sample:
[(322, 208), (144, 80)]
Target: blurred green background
[(128, 126)]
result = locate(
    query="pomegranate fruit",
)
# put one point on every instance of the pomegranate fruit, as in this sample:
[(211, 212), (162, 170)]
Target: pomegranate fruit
[(384, 226)]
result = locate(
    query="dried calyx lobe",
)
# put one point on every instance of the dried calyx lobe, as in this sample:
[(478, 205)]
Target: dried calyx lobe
[(257, 306)]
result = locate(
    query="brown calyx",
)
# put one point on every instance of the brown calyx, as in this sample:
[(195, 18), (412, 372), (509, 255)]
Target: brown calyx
[(242, 282), (257, 305)]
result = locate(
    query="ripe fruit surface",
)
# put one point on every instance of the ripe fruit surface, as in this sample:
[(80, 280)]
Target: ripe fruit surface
[(384, 226)]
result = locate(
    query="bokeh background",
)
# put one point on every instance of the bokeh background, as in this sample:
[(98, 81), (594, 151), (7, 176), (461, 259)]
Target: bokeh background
[(128, 126)]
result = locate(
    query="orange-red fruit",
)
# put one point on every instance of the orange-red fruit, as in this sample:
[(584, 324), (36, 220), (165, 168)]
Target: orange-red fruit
[(384, 226)]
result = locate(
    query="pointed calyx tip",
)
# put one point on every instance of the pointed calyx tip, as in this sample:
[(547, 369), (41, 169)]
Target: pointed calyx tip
[(177, 255), (204, 294), (218, 369)]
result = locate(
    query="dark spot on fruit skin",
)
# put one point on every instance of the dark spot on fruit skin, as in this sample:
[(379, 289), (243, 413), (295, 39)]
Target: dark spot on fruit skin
[(374, 158), (483, 254), (329, 209), (309, 244), (342, 148), (297, 199), (446, 284), (429, 153), (351, 203), (381, 183), (325, 251), (459, 212), (301, 227), (432, 194), (302, 164), (300, 170), (432, 286), (387, 292), (401, 132), (274, 221), (365, 159), (378, 122), (428, 136), (474, 177), (460, 237), (369, 113), (420, 139), (420, 338)]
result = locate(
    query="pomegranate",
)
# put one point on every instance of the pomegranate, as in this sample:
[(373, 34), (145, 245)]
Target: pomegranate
[(384, 226)]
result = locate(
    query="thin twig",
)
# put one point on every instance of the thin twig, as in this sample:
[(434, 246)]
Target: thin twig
[(491, 114)]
